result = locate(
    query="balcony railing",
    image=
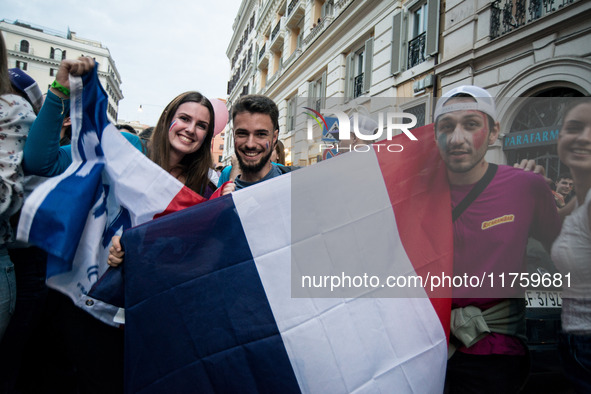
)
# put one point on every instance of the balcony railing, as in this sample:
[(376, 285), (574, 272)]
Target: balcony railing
[(292, 57), (315, 30), (508, 15), (416, 50), (262, 51), (276, 30), (342, 3), (291, 6), (358, 86)]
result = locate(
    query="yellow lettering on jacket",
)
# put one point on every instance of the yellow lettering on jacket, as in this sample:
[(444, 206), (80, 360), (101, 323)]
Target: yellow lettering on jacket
[(497, 221)]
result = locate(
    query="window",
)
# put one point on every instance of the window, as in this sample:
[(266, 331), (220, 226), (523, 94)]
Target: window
[(420, 112), (221, 147), (358, 70), (21, 65), (317, 10), (219, 158), (291, 113), (57, 54), (111, 111), (359, 67), (52, 72), (25, 46), (419, 21), (415, 35), (317, 92), (327, 9)]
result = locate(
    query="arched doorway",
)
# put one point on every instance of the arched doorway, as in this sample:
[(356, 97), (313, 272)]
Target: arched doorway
[(533, 131)]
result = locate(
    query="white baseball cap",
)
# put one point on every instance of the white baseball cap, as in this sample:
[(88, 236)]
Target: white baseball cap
[(484, 101)]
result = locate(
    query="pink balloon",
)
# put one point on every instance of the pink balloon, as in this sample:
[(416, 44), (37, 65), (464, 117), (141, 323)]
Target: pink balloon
[(221, 115)]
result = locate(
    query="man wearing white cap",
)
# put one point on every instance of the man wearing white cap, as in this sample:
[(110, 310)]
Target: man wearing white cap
[(494, 210)]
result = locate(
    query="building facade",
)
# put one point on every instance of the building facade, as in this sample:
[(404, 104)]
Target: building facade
[(38, 51), (241, 52), (217, 149), (343, 54), (361, 55)]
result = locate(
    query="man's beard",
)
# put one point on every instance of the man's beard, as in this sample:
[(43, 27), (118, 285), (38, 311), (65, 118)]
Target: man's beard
[(255, 167)]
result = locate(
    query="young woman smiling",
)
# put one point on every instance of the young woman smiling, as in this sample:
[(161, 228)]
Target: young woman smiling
[(184, 128), (181, 141), (571, 252)]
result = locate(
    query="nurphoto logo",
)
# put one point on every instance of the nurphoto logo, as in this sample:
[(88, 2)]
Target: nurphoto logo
[(393, 122)]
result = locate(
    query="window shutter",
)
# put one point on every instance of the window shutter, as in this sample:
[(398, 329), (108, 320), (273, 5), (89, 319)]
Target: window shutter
[(432, 39), (368, 64), (349, 76), (311, 86), (291, 114), (323, 91), (397, 40)]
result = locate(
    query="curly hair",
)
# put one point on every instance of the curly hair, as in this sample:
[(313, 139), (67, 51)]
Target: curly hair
[(257, 104)]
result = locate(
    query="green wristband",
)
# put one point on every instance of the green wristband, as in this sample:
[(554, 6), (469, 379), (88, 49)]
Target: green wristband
[(60, 87)]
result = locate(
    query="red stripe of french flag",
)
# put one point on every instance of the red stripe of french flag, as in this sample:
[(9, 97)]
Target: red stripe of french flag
[(416, 182)]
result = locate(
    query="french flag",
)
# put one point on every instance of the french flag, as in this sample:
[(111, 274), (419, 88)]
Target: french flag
[(110, 186), (215, 300)]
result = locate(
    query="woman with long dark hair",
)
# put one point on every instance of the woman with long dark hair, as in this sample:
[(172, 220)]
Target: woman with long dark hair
[(181, 141)]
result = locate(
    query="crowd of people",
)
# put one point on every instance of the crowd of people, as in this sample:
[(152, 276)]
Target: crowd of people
[(488, 351)]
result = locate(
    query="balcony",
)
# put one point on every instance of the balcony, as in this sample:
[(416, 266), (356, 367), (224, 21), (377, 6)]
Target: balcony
[(278, 36), (276, 30), (263, 57), (295, 54), (262, 51), (295, 12), (416, 50), (508, 15), (329, 14), (314, 32), (340, 4)]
